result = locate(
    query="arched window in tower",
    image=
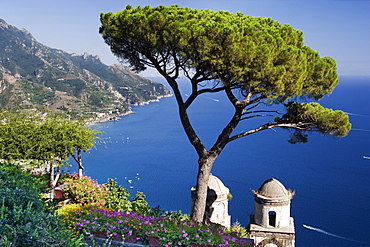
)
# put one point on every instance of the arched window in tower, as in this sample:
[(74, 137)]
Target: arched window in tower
[(272, 218)]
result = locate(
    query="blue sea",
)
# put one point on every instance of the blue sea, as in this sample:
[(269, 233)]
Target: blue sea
[(149, 152)]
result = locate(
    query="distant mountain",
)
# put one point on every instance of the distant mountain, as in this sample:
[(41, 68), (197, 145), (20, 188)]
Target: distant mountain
[(33, 75)]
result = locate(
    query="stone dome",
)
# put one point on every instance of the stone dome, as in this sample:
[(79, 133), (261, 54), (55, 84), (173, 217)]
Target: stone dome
[(272, 188), (216, 185)]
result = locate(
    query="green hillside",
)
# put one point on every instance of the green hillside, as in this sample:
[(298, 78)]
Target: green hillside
[(33, 75)]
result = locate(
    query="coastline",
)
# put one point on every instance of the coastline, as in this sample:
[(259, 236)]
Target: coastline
[(115, 117)]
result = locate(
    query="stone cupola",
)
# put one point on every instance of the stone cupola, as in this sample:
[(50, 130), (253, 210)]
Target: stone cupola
[(271, 224)]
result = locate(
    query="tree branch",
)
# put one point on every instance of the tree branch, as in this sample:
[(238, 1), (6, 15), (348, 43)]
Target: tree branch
[(231, 96), (252, 112), (194, 89), (176, 65), (184, 118), (260, 115), (254, 106), (300, 126), (211, 90), (77, 161)]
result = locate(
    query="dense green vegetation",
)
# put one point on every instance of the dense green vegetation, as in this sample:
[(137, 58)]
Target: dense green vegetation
[(25, 219), (43, 137), (43, 140)]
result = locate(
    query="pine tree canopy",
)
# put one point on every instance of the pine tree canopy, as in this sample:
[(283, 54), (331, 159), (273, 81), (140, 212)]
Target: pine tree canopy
[(263, 59)]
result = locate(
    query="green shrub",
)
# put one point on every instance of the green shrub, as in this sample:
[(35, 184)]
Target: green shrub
[(118, 197), (25, 219), (175, 215), (238, 229), (139, 204)]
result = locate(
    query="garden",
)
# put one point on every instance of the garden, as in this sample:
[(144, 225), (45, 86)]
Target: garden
[(106, 211), (89, 211), (156, 231)]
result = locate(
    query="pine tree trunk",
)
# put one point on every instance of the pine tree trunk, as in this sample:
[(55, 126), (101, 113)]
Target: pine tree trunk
[(204, 171)]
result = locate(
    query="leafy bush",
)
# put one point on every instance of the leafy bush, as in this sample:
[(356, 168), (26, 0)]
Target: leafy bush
[(139, 204), (175, 215), (83, 190), (118, 197), (25, 219)]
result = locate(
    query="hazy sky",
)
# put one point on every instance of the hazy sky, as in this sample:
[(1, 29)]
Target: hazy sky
[(336, 28)]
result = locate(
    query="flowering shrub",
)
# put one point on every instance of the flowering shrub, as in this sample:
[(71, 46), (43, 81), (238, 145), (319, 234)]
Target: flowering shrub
[(83, 190), (69, 213), (183, 233), (113, 222), (170, 233)]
